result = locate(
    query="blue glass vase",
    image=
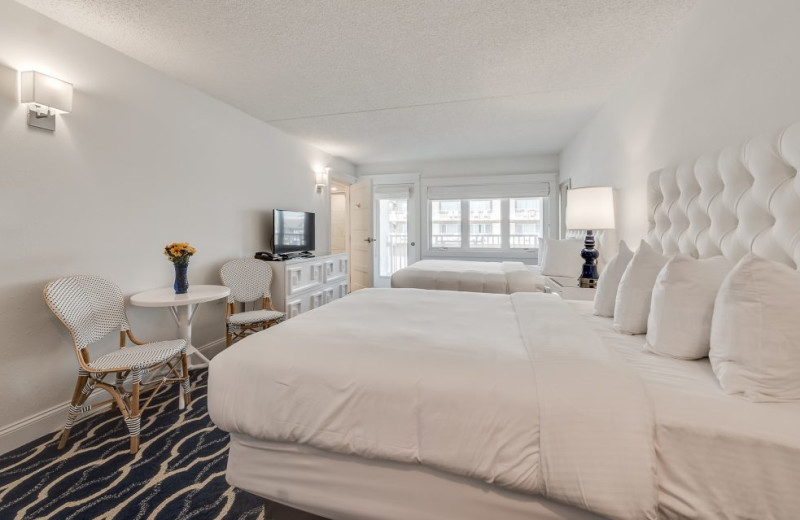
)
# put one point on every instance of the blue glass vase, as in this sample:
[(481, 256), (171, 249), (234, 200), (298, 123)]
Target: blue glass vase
[(181, 278)]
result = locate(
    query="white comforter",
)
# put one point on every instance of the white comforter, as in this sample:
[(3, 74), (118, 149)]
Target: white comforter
[(459, 275), (511, 390)]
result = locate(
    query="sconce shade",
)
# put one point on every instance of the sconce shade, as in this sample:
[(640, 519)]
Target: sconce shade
[(45, 91), (590, 208), (321, 177)]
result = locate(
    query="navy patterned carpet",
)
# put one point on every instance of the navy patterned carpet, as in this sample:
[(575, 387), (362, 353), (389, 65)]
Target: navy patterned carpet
[(179, 472)]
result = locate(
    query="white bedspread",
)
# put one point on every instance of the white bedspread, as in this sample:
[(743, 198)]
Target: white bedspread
[(512, 390), (458, 275), (719, 456)]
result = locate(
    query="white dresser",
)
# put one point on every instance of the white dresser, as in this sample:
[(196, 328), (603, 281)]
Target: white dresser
[(302, 284)]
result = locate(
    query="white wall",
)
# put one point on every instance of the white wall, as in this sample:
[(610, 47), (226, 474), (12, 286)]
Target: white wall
[(143, 160), (731, 70), (467, 166)]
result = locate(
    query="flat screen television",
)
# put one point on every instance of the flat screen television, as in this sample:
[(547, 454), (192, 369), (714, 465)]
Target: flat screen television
[(293, 231)]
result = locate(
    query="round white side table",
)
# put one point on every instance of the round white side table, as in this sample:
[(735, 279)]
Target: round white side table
[(183, 308)]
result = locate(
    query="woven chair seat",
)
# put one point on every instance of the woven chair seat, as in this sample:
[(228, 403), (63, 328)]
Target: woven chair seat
[(141, 356), (246, 318)]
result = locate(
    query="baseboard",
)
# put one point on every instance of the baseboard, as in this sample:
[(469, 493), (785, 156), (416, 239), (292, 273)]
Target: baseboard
[(51, 420)]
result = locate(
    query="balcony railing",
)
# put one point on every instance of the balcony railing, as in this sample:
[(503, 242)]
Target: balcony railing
[(480, 241), (446, 217), (394, 253), (524, 241)]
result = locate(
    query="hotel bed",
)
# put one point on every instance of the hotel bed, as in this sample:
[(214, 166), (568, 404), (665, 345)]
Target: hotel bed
[(458, 275), (541, 411), (406, 403)]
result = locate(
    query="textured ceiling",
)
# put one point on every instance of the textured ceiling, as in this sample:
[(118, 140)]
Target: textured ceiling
[(392, 80)]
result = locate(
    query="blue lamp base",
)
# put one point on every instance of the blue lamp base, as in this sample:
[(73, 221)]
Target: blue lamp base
[(589, 254)]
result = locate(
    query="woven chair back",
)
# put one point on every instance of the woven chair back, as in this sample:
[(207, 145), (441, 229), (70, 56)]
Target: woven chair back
[(248, 279), (89, 306)]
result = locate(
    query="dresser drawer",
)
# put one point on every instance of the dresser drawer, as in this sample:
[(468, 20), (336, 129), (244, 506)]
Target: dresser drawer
[(305, 302), (335, 268), (303, 276)]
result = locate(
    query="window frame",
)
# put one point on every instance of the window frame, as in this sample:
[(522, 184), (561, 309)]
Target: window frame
[(505, 252)]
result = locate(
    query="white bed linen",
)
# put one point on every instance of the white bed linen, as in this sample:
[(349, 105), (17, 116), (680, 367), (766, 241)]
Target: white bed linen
[(460, 275), (719, 456), (346, 487), (527, 393)]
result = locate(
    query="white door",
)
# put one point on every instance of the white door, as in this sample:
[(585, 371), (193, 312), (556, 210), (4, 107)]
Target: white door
[(396, 230), (361, 239)]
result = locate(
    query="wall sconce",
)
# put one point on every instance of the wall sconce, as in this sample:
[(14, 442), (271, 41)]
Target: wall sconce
[(322, 179), (46, 96)]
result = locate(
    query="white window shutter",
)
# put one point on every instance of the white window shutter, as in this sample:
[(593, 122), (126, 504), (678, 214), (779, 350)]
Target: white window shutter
[(490, 191)]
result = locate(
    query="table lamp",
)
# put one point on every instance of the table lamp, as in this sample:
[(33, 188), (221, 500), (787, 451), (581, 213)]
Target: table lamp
[(590, 209)]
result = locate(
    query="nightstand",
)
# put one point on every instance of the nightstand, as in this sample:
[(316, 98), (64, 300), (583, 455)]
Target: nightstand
[(568, 288)]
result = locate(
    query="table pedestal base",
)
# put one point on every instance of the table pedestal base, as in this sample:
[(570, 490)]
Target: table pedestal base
[(183, 316), (191, 351), (183, 308)]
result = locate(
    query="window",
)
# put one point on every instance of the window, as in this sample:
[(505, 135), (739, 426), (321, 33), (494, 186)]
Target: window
[(446, 223), (525, 220), (485, 217), (490, 224)]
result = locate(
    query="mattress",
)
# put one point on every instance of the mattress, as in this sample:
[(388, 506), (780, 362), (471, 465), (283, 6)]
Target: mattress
[(719, 456), (458, 275)]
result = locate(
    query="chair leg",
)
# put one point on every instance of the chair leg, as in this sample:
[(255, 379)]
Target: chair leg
[(228, 339), (77, 399), (134, 421), (185, 384)]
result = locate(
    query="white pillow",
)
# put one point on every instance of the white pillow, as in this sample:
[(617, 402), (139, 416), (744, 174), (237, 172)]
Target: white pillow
[(562, 257), (755, 332), (679, 324), (605, 242), (632, 305), (608, 283)]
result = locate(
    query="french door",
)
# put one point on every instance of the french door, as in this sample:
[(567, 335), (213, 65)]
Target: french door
[(396, 228)]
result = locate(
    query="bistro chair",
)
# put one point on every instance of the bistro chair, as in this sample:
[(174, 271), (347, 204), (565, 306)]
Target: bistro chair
[(91, 307), (249, 279)]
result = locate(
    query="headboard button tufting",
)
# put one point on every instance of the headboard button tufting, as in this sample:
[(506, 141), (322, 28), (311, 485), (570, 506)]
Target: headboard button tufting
[(739, 199)]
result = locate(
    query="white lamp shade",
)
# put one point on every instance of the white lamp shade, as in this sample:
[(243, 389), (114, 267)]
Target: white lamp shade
[(46, 91), (590, 208)]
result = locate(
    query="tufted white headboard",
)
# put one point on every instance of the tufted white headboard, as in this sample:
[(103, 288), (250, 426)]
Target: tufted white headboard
[(740, 199)]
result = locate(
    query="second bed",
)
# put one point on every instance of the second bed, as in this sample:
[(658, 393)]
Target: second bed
[(470, 276)]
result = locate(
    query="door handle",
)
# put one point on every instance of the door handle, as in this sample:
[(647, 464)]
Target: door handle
[(413, 243), (369, 240)]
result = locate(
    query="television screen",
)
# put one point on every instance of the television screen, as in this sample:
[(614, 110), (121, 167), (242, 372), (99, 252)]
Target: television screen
[(293, 231)]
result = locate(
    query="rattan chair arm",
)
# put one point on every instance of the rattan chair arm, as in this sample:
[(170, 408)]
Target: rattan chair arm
[(133, 339)]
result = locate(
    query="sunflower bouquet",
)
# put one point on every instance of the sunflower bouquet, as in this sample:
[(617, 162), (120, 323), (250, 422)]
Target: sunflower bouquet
[(179, 252)]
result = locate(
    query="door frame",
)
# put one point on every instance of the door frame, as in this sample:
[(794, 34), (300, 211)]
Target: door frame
[(345, 190), (347, 180), (563, 187)]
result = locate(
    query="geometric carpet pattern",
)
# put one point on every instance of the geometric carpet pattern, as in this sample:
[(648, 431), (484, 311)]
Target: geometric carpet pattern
[(178, 473)]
